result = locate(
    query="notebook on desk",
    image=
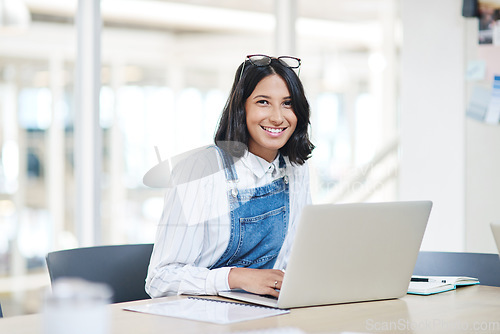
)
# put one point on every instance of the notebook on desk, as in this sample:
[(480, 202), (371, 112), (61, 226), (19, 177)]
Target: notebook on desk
[(349, 253)]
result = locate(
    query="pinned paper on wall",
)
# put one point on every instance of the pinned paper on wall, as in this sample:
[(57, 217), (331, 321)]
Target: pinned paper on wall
[(478, 103), (489, 22), (476, 70), (493, 111), (496, 33)]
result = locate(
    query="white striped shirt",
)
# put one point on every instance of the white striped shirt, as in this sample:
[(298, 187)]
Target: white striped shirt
[(195, 227)]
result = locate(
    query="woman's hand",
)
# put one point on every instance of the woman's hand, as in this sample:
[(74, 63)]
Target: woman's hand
[(259, 281)]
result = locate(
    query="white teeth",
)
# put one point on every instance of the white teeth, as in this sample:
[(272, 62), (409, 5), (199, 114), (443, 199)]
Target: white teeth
[(273, 130)]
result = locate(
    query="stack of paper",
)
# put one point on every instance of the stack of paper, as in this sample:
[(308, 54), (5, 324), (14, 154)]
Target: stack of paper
[(209, 310)]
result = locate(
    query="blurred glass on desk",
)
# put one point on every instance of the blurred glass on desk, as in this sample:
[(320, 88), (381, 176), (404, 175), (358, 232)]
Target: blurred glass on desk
[(76, 306)]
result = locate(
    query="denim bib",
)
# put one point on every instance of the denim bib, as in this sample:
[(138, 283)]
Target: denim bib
[(259, 220)]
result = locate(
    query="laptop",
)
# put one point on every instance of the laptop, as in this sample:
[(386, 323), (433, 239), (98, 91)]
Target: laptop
[(495, 228), (345, 253)]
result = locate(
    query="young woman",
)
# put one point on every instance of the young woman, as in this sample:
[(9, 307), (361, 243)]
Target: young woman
[(229, 222)]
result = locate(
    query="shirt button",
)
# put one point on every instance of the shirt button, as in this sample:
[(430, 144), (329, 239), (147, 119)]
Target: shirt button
[(234, 192), (285, 179)]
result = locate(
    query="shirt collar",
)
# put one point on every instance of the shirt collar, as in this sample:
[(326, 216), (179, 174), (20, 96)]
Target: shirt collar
[(260, 166)]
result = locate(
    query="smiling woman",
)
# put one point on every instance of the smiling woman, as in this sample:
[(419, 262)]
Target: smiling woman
[(270, 117), (259, 187)]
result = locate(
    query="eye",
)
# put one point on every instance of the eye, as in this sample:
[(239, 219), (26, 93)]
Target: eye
[(287, 103), (263, 102)]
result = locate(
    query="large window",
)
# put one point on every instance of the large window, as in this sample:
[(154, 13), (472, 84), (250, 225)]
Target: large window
[(164, 85)]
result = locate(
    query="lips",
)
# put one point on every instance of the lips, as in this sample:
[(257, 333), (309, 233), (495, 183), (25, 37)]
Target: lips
[(273, 130)]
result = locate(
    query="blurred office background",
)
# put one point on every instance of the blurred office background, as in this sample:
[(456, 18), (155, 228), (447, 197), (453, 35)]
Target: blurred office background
[(385, 79)]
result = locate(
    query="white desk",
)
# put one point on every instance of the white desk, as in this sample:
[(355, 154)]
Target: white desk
[(465, 310)]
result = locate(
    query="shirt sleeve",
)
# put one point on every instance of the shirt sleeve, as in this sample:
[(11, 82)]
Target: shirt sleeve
[(174, 267)]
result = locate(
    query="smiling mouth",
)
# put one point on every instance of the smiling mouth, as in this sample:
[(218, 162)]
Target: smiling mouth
[(273, 130)]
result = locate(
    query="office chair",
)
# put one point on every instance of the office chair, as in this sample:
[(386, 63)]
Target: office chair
[(485, 267), (122, 267)]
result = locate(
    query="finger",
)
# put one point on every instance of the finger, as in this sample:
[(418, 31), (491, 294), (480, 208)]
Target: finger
[(274, 293), (277, 284), (277, 275)]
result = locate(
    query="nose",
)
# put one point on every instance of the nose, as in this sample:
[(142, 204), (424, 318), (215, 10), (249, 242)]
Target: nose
[(276, 116)]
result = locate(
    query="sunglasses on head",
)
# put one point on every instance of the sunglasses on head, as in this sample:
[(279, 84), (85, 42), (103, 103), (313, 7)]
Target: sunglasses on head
[(263, 60)]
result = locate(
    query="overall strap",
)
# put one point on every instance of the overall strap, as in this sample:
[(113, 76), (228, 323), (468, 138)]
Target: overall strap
[(282, 163), (228, 164)]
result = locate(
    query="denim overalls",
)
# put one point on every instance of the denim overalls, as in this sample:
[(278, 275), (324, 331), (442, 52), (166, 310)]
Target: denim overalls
[(259, 220)]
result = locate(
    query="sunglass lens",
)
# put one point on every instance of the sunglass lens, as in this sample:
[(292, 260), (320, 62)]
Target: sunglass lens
[(260, 60), (290, 61)]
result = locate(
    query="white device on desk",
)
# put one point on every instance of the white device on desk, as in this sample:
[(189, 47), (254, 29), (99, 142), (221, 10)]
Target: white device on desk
[(350, 253)]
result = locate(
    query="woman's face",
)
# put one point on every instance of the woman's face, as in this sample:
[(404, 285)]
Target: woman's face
[(270, 117)]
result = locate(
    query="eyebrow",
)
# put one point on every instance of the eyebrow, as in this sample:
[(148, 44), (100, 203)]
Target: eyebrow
[(268, 97), (261, 96)]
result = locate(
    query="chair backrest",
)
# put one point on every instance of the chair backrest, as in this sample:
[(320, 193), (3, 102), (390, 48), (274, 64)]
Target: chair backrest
[(122, 267), (484, 266)]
